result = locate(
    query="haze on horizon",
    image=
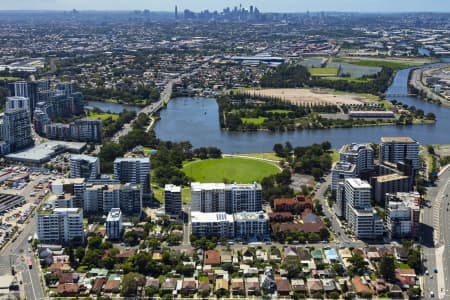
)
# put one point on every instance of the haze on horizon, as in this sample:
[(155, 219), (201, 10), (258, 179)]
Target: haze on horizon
[(263, 5)]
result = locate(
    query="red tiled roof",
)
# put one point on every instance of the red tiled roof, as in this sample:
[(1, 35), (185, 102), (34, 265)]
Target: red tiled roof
[(283, 285), (360, 287), (212, 257), (68, 289)]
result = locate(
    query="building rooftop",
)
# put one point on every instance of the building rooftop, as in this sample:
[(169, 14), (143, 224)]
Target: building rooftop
[(172, 188), (114, 215), (201, 217), (249, 216), (344, 167), (132, 159), (45, 151), (88, 158), (399, 139), (357, 183), (353, 148), (197, 186), (390, 177)]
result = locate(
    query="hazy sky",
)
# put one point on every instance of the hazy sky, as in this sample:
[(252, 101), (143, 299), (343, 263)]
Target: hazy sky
[(263, 5)]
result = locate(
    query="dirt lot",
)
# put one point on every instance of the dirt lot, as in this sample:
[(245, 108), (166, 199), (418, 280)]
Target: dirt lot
[(304, 97)]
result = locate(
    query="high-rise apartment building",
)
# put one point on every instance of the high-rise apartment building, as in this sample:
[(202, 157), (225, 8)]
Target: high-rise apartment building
[(84, 166), (361, 155), (16, 130), (400, 149), (172, 200), (229, 198), (114, 224), (359, 212), (134, 170), (60, 225)]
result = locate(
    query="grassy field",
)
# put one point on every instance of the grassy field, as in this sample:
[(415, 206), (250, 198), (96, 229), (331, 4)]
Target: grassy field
[(279, 111), (362, 95), (102, 116), (323, 71), (335, 155), (256, 121), (238, 170)]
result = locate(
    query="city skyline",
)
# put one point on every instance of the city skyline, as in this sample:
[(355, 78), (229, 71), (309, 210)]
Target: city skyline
[(264, 6)]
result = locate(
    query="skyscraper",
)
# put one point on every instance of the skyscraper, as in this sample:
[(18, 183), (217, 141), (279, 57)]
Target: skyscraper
[(17, 129), (134, 170), (400, 149)]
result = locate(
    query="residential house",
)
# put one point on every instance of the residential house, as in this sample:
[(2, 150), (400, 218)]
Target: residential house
[(169, 285), (68, 289), (372, 254), (203, 287), (261, 255), (314, 285), (189, 286), (283, 286), (237, 286), (252, 286), (379, 286), (212, 257), (298, 286), (226, 258), (407, 277), (98, 285), (329, 285), (360, 287), (222, 285), (396, 292), (284, 204), (112, 286)]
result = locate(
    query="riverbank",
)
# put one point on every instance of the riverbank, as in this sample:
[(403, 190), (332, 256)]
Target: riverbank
[(424, 92)]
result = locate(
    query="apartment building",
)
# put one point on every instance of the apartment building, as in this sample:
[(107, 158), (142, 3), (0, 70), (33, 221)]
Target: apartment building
[(134, 170), (229, 198), (60, 225), (84, 166), (402, 215), (361, 218), (218, 224), (251, 224), (361, 155), (339, 172), (397, 149), (172, 200), (114, 224)]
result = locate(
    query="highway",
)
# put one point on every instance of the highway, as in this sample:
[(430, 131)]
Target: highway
[(436, 239)]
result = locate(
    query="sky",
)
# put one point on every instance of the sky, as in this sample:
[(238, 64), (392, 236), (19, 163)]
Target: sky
[(263, 5)]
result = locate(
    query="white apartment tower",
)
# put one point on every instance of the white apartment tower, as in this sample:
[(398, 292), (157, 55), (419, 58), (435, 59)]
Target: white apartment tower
[(60, 225)]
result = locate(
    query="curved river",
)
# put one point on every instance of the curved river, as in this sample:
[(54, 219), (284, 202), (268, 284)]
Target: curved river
[(196, 120)]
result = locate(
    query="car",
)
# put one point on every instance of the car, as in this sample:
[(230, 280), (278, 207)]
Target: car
[(431, 294), (427, 272), (431, 277), (435, 270)]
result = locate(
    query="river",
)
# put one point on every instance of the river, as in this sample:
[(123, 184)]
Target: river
[(196, 120)]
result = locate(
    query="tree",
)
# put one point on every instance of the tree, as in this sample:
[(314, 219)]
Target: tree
[(279, 150), (79, 253), (293, 267), (131, 237), (130, 283), (358, 266), (387, 267), (414, 292)]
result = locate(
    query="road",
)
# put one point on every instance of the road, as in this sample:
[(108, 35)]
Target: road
[(436, 238), (416, 81), (15, 253), (336, 225)]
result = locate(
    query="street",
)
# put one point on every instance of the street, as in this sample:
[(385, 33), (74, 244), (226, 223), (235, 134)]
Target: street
[(436, 239)]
